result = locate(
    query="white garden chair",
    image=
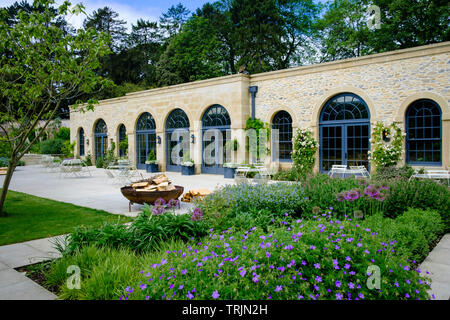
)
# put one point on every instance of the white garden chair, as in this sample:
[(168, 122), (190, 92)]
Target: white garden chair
[(338, 169)]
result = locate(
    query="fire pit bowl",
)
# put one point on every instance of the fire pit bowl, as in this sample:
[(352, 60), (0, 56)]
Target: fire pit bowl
[(150, 197)]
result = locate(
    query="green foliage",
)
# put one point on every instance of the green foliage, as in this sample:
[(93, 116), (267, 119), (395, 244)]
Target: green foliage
[(110, 157), (387, 143), (420, 194), (415, 231), (100, 163), (291, 174), (123, 145), (193, 54), (68, 149), (389, 173), (304, 151), (146, 233), (151, 158), (268, 273), (88, 160), (63, 133), (258, 134), (51, 146)]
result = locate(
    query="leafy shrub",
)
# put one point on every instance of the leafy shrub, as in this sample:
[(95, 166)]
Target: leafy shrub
[(303, 260), (429, 222), (415, 231), (88, 160), (51, 146), (244, 198), (288, 175), (389, 173), (99, 163), (420, 194), (146, 233), (63, 134)]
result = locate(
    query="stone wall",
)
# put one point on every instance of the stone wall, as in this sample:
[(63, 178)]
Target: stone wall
[(387, 82)]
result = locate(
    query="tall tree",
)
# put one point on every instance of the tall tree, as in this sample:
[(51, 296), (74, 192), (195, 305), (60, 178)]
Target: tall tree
[(343, 30), (221, 24), (174, 18), (107, 21), (41, 66), (144, 48), (406, 24), (193, 54)]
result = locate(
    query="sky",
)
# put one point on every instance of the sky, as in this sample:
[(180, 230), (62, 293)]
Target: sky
[(129, 10)]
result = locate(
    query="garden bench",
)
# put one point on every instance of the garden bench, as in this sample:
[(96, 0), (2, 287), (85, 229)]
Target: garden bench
[(434, 174)]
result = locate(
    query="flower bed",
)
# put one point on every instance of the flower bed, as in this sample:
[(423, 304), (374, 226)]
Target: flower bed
[(317, 259)]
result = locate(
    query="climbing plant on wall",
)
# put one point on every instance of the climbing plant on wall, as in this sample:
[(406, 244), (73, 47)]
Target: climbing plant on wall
[(304, 151), (258, 134), (387, 143)]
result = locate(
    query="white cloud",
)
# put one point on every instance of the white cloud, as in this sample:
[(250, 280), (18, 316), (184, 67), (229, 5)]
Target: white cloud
[(126, 12)]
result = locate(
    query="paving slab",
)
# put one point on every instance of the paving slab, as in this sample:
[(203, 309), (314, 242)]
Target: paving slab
[(26, 253), (439, 255), (444, 243), (16, 286)]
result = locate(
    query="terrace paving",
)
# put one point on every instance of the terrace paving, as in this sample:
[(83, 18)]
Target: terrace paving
[(98, 191)]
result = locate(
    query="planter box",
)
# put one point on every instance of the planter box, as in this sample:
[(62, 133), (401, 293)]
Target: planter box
[(187, 171), (152, 168), (228, 173)]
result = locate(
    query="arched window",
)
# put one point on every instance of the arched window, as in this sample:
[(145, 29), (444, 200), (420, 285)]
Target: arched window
[(215, 117), (101, 139), (81, 142), (122, 137), (424, 133), (145, 138), (177, 137), (344, 132), (282, 124), (216, 124)]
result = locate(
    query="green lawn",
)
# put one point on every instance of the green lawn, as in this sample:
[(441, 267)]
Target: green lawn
[(31, 217)]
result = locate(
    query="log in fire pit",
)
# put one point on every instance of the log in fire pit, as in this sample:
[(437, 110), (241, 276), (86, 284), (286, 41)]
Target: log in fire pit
[(148, 191)]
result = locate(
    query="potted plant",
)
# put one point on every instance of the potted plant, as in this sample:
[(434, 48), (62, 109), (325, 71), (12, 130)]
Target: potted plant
[(151, 164), (187, 166), (229, 170)]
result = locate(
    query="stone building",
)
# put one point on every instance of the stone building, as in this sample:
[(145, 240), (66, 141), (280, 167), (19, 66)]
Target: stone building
[(339, 101)]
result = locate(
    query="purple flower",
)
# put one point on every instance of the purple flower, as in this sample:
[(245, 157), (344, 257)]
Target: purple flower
[(190, 296), (183, 272), (158, 210), (215, 295), (160, 202), (339, 296), (242, 273), (197, 215), (338, 284), (278, 288)]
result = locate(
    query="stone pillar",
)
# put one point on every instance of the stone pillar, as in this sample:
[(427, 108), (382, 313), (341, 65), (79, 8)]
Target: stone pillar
[(132, 148)]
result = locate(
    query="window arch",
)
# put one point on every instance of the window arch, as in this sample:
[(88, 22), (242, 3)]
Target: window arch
[(282, 122), (344, 107), (101, 139), (177, 119), (81, 142), (424, 133), (216, 116), (344, 132), (146, 122)]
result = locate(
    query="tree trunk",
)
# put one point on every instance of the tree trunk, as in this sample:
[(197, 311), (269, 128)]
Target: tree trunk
[(8, 177)]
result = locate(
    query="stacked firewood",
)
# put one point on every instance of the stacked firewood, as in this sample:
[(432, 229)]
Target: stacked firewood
[(195, 194), (156, 183)]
